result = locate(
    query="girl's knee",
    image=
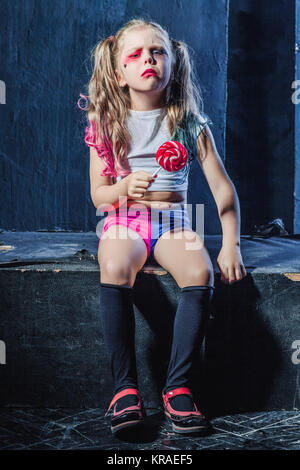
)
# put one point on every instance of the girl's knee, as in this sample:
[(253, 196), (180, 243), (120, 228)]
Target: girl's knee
[(117, 272), (198, 277)]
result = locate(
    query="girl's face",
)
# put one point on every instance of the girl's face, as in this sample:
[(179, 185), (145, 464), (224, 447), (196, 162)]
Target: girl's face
[(144, 49)]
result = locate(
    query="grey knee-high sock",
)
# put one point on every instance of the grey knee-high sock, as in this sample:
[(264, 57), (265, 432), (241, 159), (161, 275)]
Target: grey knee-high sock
[(189, 329), (118, 326)]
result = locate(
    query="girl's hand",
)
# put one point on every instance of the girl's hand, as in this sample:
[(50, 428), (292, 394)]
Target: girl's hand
[(230, 264), (137, 183)]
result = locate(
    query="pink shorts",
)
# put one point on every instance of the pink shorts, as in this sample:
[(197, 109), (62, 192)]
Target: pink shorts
[(135, 217), (147, 222)]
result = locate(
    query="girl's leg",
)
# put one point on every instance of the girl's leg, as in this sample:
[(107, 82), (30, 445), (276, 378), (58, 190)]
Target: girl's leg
[(120, 258), (118, 327), (189, 329), (193, 271)]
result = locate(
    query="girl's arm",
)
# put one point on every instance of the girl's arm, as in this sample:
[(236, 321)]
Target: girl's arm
[(224, 193), (104, 193)]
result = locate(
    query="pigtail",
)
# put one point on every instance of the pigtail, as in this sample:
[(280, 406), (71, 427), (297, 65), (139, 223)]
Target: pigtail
[(105, 131)]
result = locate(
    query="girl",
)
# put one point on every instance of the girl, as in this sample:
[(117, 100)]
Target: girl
[(142, 95)]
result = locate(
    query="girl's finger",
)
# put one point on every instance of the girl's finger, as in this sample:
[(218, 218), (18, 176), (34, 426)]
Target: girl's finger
[(221, 272), (238, 274), (139, 191), (231, 274), (244, 272), (224, 274), (143, 183)]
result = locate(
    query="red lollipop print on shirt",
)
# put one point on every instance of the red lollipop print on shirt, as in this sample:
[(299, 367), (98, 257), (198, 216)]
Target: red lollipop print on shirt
[(171, 156)]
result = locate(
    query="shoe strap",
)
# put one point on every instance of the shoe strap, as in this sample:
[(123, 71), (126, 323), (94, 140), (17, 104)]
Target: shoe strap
[(176, 391), (126, 391), (180, 391)]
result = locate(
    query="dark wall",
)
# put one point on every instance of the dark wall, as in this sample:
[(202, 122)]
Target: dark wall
[(296, 100), (260, 111), (45, 64)]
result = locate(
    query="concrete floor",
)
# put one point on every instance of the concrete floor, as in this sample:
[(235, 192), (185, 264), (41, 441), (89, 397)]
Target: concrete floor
[(88, 429)]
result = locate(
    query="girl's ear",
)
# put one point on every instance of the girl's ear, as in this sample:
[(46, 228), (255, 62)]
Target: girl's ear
[(120, 80)]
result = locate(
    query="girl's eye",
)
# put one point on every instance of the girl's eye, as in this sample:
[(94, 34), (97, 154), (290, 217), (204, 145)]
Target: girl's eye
[(160, 51)]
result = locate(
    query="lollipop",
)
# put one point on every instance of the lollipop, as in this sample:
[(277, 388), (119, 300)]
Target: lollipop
[(172, 156)]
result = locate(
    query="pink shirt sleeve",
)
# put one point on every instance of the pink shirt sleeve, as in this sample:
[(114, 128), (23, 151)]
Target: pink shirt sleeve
[(104, 150)]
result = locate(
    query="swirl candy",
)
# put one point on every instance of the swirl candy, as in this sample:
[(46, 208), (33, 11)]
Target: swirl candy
[(172, 156)]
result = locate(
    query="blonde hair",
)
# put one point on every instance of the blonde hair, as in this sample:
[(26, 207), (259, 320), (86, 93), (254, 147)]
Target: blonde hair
[(109, 104)]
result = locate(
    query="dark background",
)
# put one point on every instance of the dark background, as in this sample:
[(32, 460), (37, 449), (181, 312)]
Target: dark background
[(244, 55)]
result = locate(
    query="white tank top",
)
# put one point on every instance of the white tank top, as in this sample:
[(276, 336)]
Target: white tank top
[(147, 135)]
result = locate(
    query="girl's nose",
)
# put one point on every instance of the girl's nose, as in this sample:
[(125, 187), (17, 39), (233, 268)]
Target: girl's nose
[(149, 59)]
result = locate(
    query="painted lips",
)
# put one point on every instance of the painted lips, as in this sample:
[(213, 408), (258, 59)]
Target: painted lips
[(149, 72)]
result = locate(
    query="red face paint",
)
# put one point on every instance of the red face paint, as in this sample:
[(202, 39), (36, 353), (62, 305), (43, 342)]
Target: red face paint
[(134, 55)]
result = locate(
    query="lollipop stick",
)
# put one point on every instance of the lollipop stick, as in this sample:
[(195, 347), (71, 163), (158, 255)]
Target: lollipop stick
[(156, 171)]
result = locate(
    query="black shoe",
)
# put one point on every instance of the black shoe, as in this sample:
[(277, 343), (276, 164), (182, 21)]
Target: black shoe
[(127, 417), (184, 421)]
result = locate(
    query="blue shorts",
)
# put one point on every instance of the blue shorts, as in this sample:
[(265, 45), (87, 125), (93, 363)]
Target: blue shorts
[(163, 220)]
